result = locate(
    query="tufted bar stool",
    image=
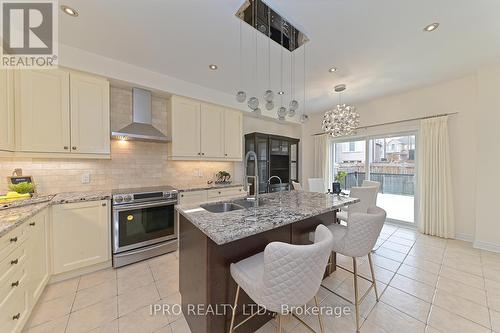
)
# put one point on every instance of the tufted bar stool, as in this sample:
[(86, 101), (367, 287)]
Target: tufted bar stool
[(368, 198), (283, 275), (355, 240)]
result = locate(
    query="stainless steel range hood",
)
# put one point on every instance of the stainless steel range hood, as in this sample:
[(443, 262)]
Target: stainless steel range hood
[(141, 128)]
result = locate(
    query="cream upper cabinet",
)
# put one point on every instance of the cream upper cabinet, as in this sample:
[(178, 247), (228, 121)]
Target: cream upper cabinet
[(212, 131), (203, 131), (90, 122), (38, 255), (6, 110), (233, 134), (42, 111), (185, 127), (80, 235)]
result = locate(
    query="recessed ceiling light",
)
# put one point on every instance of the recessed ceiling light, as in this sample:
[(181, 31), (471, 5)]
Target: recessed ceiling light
[(281, 92), (431, 27), (332, 69), (212, 67), (70, 11)]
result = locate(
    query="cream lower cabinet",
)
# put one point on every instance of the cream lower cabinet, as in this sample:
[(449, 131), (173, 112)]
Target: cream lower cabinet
[(80, 235), (38, 255), (6, 110), (197, 197), (24, 271)]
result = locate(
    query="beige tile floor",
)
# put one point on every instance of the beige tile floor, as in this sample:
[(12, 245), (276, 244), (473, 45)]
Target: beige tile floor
[(427, 284)]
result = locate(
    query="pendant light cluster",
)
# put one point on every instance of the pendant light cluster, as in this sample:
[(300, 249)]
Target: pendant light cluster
[(268, 95), (343, 120)]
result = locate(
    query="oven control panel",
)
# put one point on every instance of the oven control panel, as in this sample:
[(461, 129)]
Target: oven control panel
[(120, 199)]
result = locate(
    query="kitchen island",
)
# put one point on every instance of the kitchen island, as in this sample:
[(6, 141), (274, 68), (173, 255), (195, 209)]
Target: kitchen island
[(210, 241)]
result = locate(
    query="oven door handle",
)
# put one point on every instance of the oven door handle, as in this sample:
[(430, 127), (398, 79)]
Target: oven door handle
[(144, 205)]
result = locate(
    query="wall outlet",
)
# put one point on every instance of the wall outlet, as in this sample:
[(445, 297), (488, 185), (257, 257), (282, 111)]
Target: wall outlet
[(86, 178)]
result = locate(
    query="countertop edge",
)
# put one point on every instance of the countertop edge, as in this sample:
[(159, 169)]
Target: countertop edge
[(25, 212)]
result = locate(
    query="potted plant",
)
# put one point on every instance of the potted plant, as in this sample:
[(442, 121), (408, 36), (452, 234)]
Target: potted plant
[(340, 177)]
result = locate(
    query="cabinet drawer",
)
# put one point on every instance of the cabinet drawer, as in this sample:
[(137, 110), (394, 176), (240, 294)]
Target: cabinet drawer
[(10, 267), (16, 280), (194, 197), (13, 310), (12, 240), (225, 192)]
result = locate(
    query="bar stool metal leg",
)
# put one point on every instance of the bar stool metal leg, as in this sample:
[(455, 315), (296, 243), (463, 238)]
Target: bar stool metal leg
[(356, 298), (278, 327), (373, 275), (322, 329), (231, 328)]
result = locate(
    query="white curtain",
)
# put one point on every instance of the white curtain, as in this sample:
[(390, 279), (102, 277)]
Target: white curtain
[(436, 198), (322, 158)]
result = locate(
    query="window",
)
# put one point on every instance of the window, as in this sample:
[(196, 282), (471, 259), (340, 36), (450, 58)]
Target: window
[(352, 146)]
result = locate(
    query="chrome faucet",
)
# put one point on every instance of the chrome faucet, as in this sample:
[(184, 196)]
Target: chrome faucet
[(256, 176), (269, 185), (269, 182)]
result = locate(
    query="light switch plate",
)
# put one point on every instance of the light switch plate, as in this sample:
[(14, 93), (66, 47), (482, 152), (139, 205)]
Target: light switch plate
[(86, 178)]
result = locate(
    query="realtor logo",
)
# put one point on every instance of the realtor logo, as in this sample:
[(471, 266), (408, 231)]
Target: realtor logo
[(29, 34)]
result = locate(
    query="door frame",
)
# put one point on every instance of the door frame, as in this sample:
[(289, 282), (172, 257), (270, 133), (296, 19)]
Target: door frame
[(388, 134)]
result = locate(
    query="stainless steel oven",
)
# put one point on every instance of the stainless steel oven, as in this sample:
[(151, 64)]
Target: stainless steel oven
[(144, 224)]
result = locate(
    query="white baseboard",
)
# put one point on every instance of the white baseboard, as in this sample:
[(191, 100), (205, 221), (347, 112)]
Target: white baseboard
[(464, 237), (486, 246)]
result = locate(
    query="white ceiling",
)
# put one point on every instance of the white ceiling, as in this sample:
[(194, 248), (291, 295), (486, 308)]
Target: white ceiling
[(378, 46)]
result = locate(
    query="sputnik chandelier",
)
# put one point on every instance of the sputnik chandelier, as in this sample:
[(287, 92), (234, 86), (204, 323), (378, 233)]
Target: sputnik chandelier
[(343, 120)]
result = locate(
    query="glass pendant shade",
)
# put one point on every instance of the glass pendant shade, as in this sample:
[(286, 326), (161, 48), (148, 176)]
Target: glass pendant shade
[(269, 95), (304, 118), (269, 105), (253, 103), (291, 113), (281, 112), (241, 96), (294, 105), (257, 111)]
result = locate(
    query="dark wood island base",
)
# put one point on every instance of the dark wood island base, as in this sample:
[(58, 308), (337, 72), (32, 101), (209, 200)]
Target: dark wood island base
[(205, 281)]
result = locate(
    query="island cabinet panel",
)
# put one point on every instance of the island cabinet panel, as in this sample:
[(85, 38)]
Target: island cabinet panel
[(6, 110), (205, 277)]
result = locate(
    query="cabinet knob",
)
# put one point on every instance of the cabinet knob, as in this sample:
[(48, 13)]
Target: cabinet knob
[(13, 239), (225, 154), (14, 262), (16, 316), (182, 195), (66, 147), (203, 153), (103, 204), (74, 147), (199, 153), (219, 192), (32, 224), (15, 284)]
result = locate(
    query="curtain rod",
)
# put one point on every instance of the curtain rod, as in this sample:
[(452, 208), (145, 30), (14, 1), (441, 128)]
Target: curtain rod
[(401, 121)]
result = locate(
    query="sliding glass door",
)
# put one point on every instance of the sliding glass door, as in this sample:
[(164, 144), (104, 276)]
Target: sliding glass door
[(392, 164), (389, 160)]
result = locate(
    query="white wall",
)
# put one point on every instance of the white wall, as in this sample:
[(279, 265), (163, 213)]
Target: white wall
[(488, 157), (453, 96)]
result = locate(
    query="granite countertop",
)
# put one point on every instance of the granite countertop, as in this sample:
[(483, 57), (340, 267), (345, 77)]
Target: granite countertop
[(19, 211), (192, 188), (295, 206)]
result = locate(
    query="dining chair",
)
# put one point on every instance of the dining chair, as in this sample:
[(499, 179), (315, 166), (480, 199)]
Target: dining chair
[(368, 183), (366, 195), (296, 186), (316, 185), (284, 276)]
